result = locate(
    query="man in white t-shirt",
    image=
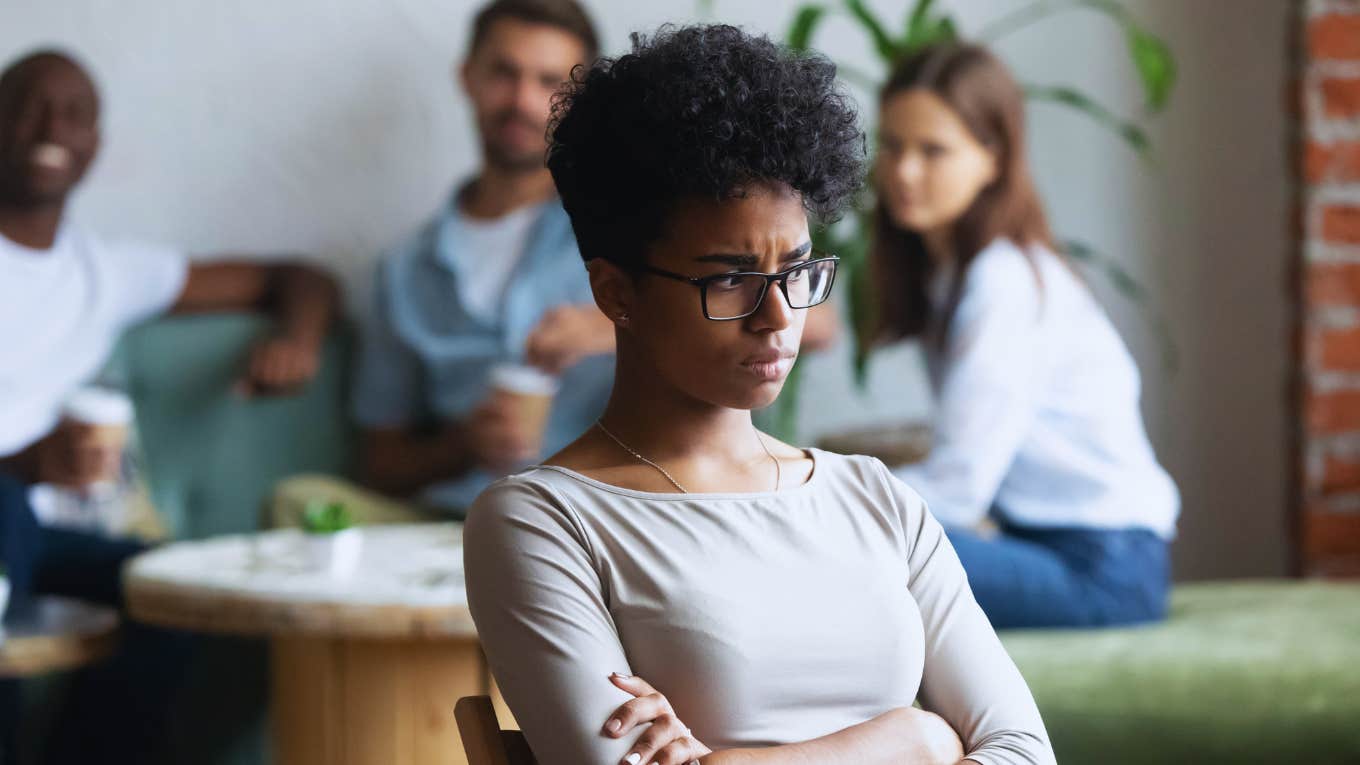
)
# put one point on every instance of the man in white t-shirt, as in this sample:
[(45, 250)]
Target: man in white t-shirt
[(65, 296)]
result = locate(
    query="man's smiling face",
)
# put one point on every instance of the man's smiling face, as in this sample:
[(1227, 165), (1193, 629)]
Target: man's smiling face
[(49, 129)]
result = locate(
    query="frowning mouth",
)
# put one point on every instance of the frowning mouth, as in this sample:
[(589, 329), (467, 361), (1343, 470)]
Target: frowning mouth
[(769, 366)]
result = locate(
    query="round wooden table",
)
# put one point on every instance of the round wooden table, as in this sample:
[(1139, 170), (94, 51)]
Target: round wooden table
[(366, 669), (50, 634)]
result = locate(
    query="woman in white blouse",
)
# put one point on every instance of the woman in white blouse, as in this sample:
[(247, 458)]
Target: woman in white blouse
[(1037, 421), (783, 605)]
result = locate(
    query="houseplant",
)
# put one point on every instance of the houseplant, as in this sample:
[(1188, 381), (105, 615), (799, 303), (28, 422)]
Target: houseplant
[(331, 541)]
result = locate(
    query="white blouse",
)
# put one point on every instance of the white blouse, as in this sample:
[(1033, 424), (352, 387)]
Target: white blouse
[(1037, 407)]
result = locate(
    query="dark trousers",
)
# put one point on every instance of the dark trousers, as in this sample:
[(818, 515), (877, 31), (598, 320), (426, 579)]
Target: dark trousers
[(1066, 577), (115, 711)]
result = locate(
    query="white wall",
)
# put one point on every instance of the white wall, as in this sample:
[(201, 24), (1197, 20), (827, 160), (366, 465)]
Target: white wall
[(330, 127)]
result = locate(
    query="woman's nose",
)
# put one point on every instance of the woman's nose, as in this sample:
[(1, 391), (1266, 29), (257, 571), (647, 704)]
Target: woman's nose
[(775, 311)]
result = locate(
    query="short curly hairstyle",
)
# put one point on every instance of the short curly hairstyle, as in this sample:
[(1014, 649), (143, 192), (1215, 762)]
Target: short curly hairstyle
[(697, 111)]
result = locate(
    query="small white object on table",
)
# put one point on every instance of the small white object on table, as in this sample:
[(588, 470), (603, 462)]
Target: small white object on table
[(366, 668)]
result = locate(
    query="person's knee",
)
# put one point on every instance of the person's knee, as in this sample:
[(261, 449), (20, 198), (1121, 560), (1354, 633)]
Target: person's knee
[(1143, 595), (1129, 605), (14, 510), (1151, 604), (12, 489), (20, 537), (964, 540)]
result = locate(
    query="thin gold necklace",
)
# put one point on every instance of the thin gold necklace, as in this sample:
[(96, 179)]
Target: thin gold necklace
[(778, 470)]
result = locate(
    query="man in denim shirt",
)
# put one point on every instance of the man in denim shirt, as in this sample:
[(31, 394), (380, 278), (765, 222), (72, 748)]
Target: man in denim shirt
[(493, 278)]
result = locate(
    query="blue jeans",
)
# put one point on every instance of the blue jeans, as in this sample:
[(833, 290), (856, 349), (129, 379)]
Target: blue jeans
[(1066, 577), (115, 711)]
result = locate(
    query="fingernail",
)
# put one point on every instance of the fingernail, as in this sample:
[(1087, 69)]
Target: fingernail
[(633, 759), (614, 725), (619, 675)]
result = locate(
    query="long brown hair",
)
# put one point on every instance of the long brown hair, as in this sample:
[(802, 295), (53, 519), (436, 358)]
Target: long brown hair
[(982, 92)]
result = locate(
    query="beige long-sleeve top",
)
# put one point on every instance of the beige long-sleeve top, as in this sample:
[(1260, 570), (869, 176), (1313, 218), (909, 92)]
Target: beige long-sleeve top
[(765, 618)]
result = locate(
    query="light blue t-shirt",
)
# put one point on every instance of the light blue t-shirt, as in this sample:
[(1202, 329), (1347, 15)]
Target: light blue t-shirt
[(425, 357)]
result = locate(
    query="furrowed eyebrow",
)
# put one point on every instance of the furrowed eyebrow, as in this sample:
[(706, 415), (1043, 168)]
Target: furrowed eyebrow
[(747, 260)]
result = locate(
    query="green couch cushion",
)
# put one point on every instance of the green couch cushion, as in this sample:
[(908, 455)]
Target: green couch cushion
[(211, 459), (212, 456), (1242, 672)]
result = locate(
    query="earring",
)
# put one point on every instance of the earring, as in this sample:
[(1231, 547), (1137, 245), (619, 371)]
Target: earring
[(623, 318)]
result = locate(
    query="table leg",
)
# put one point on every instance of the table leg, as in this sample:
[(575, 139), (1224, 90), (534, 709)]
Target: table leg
[(371, 702)]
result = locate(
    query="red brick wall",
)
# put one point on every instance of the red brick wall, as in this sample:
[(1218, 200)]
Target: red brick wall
[(1328, 384)]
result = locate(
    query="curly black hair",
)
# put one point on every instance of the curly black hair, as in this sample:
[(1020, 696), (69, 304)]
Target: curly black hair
[(697, 111)]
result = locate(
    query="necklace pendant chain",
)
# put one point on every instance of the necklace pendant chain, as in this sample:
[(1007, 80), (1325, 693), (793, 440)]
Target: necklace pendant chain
[(778, 469)]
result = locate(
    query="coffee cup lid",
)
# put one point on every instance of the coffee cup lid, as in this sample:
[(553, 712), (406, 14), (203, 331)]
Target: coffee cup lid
[(99, 406), (522, 379)]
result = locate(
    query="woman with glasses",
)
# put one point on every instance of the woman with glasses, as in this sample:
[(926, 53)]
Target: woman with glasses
[(675, 585), (1037, 421)]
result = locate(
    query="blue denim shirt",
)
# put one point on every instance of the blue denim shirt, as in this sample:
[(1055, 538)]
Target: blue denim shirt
[(425, 358)]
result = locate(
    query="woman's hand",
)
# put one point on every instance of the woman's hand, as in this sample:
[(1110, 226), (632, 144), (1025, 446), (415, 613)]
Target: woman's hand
[(938, 743), (667, 741)]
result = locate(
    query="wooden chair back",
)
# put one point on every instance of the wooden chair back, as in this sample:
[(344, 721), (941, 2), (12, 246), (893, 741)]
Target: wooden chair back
[(483, 740)]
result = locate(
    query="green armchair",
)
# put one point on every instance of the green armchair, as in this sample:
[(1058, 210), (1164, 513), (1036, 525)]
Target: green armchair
[(211, 459)]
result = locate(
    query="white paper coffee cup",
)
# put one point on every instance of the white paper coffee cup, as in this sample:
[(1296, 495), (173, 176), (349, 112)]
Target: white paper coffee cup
[(98, 406), (529, 393), (523, 380), (108, 414)]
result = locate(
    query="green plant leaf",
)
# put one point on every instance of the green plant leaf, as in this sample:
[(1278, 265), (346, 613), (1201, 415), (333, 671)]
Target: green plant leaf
[(322, 517), (1156, 66), (1132, 134), (1151, 56), (786, 418), (888, 48), (945, 31), (918, 20), (804, 25), (861, 320), (853, 249), (925, 28)]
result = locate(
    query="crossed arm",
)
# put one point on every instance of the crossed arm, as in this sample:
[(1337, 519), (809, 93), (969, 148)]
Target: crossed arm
[(900, 735), (550, 638)]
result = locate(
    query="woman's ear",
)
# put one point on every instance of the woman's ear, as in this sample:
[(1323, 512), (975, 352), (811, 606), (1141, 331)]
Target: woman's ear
[(613, 289)]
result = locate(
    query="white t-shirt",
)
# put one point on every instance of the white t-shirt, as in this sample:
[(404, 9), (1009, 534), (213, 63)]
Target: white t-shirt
[(1037, 407), (61, 311), (486, 255)]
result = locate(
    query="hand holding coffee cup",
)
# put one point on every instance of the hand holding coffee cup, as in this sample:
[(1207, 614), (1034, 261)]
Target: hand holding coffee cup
[(86, 448), (507, 430)]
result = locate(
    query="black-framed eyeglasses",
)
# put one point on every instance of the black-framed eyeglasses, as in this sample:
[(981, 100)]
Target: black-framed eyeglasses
[(731, 296)]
